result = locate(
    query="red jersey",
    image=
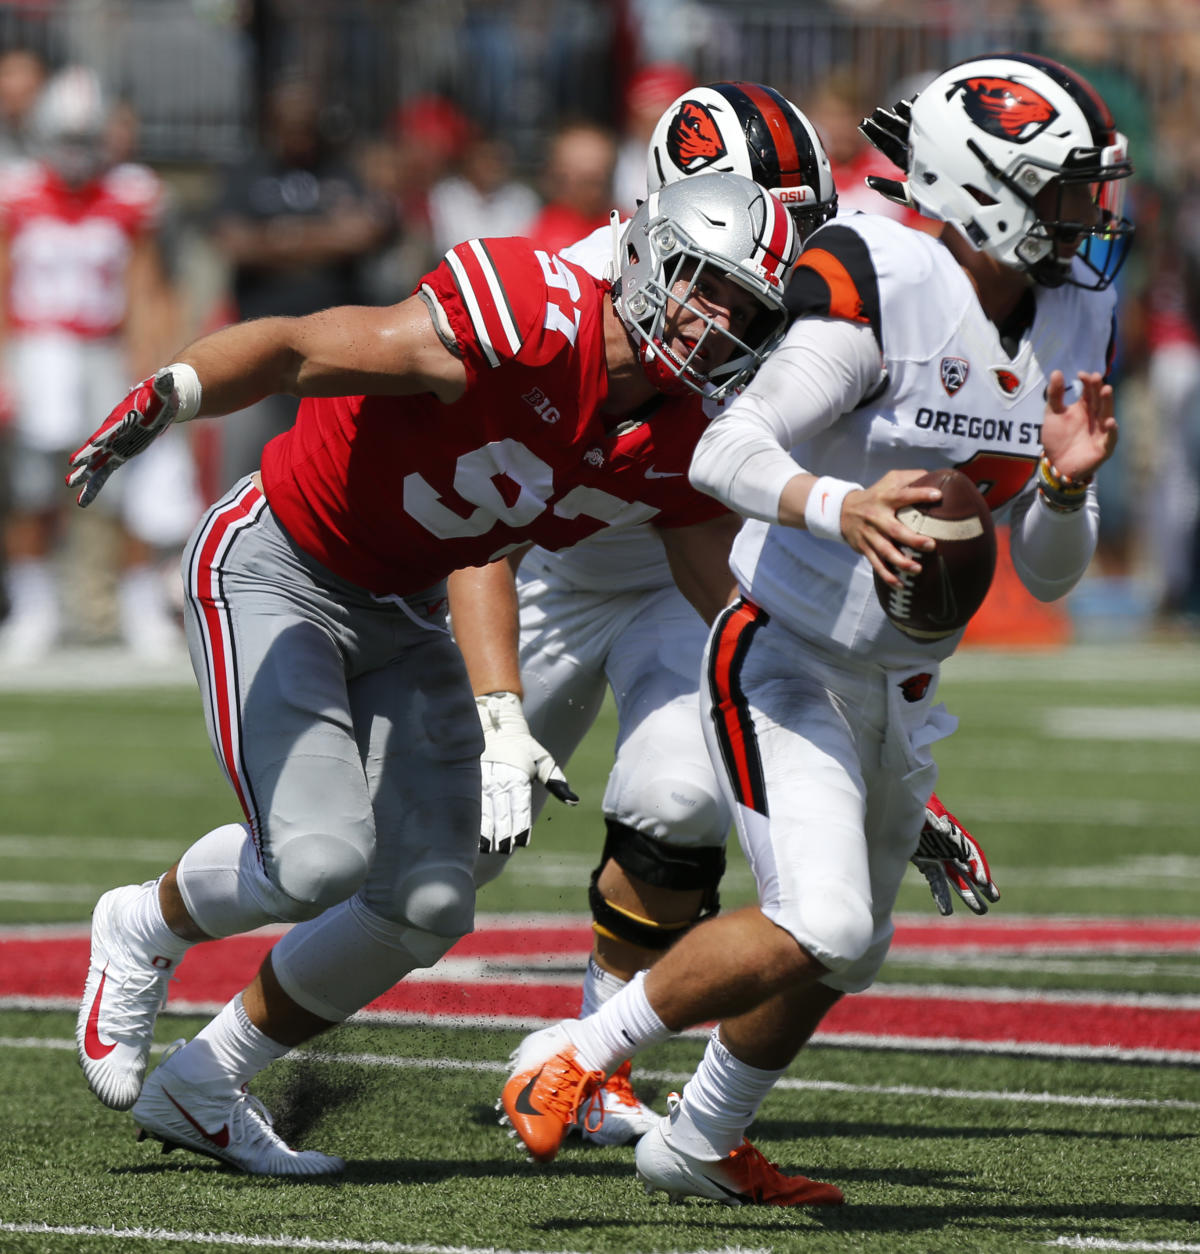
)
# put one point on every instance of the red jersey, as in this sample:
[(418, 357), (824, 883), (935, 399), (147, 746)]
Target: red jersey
[(394, 492), (69, 248)]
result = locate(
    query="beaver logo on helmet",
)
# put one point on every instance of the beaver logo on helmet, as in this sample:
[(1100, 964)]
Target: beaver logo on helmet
[(1006, 109), (694, 140)]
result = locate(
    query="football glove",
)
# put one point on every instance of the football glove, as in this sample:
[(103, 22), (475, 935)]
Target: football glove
[(887, 130), (512, 759), (171, 395), (951, 858)]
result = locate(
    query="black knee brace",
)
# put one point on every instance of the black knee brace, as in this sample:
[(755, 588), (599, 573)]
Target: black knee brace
[(664, 866)]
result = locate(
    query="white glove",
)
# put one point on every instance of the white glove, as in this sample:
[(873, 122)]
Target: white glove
[(170, 395), (950, 857), (511, 761)]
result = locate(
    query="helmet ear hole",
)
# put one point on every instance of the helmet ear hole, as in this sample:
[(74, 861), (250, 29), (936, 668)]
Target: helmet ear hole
[(980, 196)]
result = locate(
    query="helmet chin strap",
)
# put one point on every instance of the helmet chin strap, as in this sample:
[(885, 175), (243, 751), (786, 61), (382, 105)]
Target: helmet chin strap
[(666, 380)]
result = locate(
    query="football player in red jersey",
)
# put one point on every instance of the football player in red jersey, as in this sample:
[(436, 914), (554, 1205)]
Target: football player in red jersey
[(512, 398), (819, 713), (85, 302)]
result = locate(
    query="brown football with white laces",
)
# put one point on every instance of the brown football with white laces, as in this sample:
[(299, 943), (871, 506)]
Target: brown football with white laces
[(954, 578)]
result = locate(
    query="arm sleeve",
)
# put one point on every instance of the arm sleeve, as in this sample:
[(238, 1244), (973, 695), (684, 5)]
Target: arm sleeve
[(1050, 550), (823, 369)]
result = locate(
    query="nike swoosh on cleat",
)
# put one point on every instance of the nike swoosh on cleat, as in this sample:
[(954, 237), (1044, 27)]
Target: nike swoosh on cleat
[(523, 1104), (220, 1138), (93, 1046), (741, 1197)]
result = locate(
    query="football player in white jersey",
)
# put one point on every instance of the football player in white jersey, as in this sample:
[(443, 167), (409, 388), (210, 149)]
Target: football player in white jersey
[(606, 614), (821, 712)]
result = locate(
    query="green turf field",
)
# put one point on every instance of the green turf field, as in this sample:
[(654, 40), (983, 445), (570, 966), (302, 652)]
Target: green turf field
[(1077, 771)]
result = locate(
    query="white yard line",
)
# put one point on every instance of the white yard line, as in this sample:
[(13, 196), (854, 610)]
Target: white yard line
[(295, 1243), (788, 1083), (1107, 1243)]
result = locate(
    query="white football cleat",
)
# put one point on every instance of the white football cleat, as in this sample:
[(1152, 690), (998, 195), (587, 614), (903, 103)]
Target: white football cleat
[(626, 1116), (743, 1178), (121, 999), (232, 1127)]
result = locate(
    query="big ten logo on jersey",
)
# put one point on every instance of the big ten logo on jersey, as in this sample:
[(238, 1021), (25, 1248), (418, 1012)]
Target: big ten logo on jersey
[(558, 276), (504, 483), (540, 403)]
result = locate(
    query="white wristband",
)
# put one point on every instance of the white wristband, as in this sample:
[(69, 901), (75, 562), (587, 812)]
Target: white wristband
[(823, 511), (185, 383)]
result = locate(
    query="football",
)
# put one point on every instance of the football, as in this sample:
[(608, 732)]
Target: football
[(939, 600)]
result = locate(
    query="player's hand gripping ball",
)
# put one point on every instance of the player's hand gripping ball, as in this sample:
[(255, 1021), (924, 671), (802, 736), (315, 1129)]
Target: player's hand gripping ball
[(955, 577)]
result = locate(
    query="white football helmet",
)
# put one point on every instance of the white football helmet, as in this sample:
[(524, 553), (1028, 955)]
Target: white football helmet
[(68, 124), (747, 129), (717, 224), (990, 134)]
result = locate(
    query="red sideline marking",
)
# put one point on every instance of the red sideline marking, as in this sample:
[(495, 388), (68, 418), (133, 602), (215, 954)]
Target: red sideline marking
[(53, 968)]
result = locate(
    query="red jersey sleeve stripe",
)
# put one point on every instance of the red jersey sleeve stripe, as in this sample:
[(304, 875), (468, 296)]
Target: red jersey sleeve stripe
[(485, 300)]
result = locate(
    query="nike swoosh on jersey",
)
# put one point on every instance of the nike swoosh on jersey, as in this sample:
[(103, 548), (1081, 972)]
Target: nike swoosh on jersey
[(93, 1046), (220, 1138), (663, 474), (523, 1104)]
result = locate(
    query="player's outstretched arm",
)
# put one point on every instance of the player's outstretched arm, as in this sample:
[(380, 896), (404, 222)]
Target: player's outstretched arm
[(346, 351)]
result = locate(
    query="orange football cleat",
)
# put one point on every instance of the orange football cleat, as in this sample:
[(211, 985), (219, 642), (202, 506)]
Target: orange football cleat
[(545, 1091)]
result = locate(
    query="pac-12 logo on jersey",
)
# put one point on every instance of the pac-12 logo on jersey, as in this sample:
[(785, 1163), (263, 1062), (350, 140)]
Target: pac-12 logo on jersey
[(1006, 109), (954, 373), (694, 139)]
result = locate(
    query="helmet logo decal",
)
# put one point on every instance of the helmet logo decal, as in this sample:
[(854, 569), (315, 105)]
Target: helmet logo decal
[(694, 139), (1006, 109), (954, 373)]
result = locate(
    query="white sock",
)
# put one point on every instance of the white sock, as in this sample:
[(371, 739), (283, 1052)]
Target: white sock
[(144, 924), (719, 1103), (227, 1052), (599, 986), (623, 1025)]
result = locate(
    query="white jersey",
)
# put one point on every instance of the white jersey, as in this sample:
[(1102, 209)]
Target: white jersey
[(952, 396), (624, 559)]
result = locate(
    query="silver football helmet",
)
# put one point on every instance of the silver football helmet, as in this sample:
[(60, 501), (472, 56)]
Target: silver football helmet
[(987, 136), (710, 224), (749, 129), (67, 126)]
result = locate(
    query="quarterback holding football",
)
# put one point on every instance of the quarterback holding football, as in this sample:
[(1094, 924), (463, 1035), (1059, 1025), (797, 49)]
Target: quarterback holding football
[(983, 350)]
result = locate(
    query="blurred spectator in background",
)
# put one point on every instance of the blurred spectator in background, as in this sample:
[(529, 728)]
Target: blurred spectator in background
[(295, 222), (1171, 520), (836, 107), (22, 77), (650, 91), (86, 308), (577, 183), (427, 136), (481, 197)]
